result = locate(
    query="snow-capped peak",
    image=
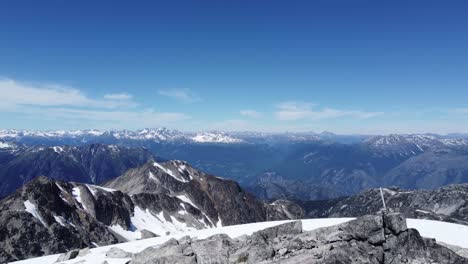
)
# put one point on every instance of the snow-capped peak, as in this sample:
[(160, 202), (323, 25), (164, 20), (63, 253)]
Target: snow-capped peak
[(215, 137)]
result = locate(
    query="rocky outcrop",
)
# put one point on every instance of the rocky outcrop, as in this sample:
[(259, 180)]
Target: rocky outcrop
[(379, 239)]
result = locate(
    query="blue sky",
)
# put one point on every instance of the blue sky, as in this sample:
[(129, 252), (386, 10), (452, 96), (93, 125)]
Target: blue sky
[(346, 66)]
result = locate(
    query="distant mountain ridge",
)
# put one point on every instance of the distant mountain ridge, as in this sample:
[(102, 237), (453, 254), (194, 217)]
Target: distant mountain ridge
[(94, 163), (325, 164), (155, 135), (170, 135), (448, 203)]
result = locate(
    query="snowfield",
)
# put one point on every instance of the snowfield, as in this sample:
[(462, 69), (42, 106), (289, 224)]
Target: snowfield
[(449, 233)]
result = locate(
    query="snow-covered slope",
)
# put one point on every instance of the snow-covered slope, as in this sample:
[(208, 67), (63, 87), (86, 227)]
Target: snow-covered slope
[(211, 137), (449, 233)]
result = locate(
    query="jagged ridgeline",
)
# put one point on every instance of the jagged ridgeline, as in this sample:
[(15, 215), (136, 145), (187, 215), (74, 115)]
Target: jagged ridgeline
[(94, 163), (448, 203), (46, 216)]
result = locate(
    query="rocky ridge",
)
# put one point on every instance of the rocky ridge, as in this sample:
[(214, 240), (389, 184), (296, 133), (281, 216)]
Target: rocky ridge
[(222, 200), (448, 203), (47, 216), (373, 239)]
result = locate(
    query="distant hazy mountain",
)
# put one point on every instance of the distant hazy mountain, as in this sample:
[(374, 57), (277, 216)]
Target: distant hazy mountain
[(93, 163), (407, 161), (83, 136)]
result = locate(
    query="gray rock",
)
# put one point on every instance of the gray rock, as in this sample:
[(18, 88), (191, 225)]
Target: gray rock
[(214, 249), (463, 252), (291, 228), (395, 223), (169, 252), (147, 234), (118, 253), (69, 255)]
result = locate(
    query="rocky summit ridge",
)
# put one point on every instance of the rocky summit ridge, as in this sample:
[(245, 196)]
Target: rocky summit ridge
[(373, 239)]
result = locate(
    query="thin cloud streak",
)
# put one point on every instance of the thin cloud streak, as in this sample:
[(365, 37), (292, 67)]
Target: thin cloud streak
[(251, 113), (16, 93), (292, 111), (118, 96), (183, 95)]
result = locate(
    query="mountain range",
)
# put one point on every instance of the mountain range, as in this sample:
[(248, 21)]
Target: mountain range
[(170, 198), (293, 165), (64, 193)]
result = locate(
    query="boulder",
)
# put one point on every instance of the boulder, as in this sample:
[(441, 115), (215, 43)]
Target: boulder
[(118, 253)]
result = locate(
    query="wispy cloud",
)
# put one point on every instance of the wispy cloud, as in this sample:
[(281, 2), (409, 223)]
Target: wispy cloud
[(184, 95), (290, 111), (251, 113), (16, 93), (52, 101), (118, 96)]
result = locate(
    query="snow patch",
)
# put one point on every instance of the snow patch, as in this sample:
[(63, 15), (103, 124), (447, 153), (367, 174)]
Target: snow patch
[(155, 223), (60, 220), (94, 189), (184, 198), (77, 194), (215, 138), (57, 149), (32, 209), (170, 172), (152, 177), (5, 145)]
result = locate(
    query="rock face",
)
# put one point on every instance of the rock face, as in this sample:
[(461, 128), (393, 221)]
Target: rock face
[(95, 163), (223, 201), (44, 217), (449, 203), (371, 239), (47, 216)]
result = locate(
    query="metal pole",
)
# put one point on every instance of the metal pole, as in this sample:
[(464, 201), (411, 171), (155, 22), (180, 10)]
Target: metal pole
[(383, 199)]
